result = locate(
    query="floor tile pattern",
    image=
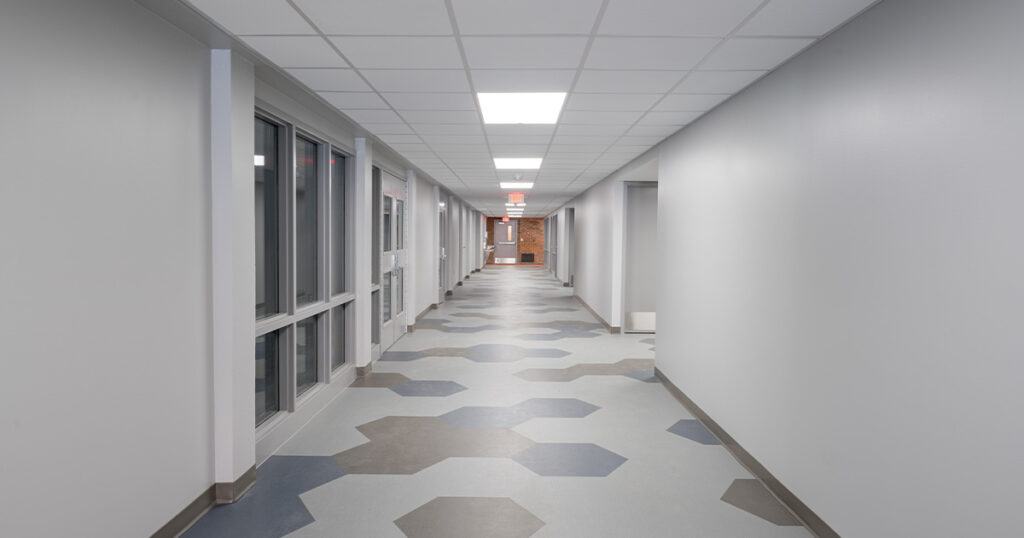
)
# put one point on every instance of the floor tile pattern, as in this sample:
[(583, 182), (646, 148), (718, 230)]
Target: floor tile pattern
[(536, 425), (694, 431)]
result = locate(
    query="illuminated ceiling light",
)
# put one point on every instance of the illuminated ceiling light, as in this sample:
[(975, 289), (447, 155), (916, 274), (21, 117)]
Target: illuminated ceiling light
[(259, 160), (514, 185), (523, 107), (517, 163)]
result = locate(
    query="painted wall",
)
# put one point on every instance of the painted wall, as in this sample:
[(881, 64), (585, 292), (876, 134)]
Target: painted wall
[(105, 207), (598, 247), (426, 247), (640, 290), (842, 270)]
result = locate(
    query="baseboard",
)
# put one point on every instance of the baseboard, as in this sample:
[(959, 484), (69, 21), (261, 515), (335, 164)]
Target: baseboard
[(419, 316), (806, 516), (612, 330), (449, 293), (566, 285), (363, 371), (219, 493)]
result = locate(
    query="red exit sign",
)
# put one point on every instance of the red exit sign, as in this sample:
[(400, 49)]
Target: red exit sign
[(516, 198)]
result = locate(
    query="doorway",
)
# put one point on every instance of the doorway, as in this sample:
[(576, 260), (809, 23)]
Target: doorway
[(393, 259), (640, 239), (506, 247)]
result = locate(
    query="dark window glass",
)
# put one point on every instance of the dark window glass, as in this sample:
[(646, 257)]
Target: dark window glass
[(375, 317), (305, 221), (267, 368), (375, 256), (387, 223), (268, 204), (305, 354), (400, 290), (338, 336), (386, 295), (400, 223), (337, 224)]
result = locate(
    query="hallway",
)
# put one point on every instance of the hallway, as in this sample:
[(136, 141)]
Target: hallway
[(509, 411)]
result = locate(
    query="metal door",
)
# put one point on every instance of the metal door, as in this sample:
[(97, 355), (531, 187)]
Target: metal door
[(506, 246)]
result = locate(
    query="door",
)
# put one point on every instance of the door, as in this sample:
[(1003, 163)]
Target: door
[(393, 259), (640, 297), (442, 235), (506, 249)]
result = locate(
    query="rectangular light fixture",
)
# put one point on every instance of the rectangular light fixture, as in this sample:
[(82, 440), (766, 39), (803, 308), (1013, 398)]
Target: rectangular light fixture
[(514, 185), (517, 163), (259, 160), (522, 107), (514, 205)]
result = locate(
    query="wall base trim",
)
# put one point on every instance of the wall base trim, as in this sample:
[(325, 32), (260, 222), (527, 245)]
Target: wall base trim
[(363, 371), (219, 493), (811, 521), (566, 285), (612, 330), (410, 328)]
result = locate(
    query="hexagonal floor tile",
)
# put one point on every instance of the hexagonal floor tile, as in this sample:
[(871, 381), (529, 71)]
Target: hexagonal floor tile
[(427, 388), (694, 431), (469, 517), (569, 459)]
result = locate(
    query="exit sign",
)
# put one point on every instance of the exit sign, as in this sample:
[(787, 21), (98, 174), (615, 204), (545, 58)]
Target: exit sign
[(516, 198)]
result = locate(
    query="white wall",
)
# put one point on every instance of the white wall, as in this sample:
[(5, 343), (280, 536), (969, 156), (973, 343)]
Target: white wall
[(105, 208), (640, 276), (426, 248), (598, 246), (843, 270)]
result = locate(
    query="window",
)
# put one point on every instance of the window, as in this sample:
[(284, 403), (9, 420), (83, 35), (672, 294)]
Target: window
[(268, 218), (267, 376), (337, 223), (306, 222), (400, 222), (387, 223), (400, 290), (338, 323), (386, 294), (302, 307), (305, 354)]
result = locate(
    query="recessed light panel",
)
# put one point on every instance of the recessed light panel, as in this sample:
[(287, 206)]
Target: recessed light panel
[(517, 163), (513, 185), (533, 108)]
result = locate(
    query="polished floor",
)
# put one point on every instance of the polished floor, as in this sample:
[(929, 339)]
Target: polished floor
[(507, 412)]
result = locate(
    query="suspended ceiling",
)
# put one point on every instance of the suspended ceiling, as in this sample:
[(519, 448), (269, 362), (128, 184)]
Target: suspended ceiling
[(635, 71)]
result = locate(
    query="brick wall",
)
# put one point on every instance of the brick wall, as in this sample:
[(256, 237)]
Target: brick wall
[(531, 238)]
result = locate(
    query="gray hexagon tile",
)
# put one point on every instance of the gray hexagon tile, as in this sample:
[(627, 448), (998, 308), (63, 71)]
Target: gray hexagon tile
[(477, 353), (694, 431), (469, 517), (642, 369), (379, 380), (751, 496), (442, 325), (272, 507), (569, 459), (507, 417), (427, 388)]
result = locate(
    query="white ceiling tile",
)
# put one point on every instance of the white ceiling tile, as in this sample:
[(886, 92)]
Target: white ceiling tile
[(588, 117), (523, 80), (680, 53), (611, 101), (417, 80), (526, 16), (295, 51), (387, 128), (592, 130), (512, 175), (563, 140), (359, 17), (428, 129), (562, 149), (675, 17), (352, 100), (630, 149), (755, 53), (262, 17), (690, 101), (653, 130), (641, 140), (441, 116), (401, 139), (627, 81), (802, 17), (453, 139), (669, 118), (416, 148), (523, 52), (718, 81), (373, 116), (431, 101), (400, 52), (335, 80), (519, 129), (520, 139)]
